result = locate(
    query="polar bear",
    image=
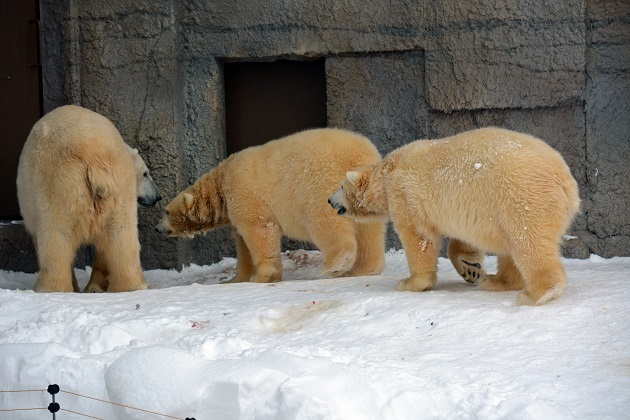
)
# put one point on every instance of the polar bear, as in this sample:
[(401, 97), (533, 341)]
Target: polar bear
[(77, 183), (280, 188), (488, 190)]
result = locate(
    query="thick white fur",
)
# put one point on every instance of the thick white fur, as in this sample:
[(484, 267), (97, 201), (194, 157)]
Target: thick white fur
[(489, 190), (76, 184), (281, 188)]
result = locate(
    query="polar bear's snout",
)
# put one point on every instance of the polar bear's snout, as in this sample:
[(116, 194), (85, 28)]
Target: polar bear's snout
[(338, 201), (148, 194), (149, 201), (164, 226), (146, 190)]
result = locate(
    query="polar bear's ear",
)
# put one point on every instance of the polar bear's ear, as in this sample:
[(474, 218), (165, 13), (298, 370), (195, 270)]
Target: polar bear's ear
[(188, 199), (353, 177), (134, 152)]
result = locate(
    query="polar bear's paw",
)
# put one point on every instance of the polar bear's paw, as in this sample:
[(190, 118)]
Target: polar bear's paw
[(339, 264), (471, 272), (93, 288), (417, 283)]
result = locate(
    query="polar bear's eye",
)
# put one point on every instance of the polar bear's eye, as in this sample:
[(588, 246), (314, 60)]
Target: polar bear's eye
[(146, 174)]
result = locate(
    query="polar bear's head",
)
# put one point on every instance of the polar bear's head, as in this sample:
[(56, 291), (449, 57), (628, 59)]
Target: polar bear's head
[(362, 195), (147, 192), (198, 209)]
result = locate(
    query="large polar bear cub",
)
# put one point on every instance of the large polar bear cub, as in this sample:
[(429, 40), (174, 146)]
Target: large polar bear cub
[(281, 188), (488, 190), (77, 183)]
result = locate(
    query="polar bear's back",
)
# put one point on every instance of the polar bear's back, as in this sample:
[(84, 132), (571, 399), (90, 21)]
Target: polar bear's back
[(72, 128), (325, 152), (322, 144), (295, 175), (70, 155), (480, 184)]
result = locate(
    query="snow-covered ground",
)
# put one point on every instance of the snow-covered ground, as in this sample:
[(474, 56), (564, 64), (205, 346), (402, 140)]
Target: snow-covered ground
[(316, 348)]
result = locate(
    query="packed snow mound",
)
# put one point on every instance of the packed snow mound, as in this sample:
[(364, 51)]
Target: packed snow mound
[(318, 348)]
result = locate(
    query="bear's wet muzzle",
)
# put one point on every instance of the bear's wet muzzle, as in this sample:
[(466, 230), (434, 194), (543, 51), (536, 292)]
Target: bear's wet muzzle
[(146, 202), (164, 227), (334, 202)]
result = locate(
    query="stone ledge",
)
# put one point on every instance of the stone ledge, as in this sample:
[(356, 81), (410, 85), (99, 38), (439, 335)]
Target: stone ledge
[(16, 248)]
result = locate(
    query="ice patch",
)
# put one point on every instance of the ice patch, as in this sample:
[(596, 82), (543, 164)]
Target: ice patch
[(478, 165)]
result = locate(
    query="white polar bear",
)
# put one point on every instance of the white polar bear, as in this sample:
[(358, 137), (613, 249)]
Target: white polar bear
[(488, 190), (78, 182), (280, 189)]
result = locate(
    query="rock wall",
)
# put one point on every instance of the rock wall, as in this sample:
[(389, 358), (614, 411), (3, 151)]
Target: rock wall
[(396, 70)]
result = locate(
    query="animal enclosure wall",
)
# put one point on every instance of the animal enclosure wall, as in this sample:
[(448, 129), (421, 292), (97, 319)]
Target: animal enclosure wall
[(395, 71)]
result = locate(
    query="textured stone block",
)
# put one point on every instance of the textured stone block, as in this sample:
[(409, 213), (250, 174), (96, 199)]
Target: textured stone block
[(448, 11), (497, 54), (225, 15), (608, 154), (523, 77), (300, 28), (607, 10), (608, 127), (379, 96)]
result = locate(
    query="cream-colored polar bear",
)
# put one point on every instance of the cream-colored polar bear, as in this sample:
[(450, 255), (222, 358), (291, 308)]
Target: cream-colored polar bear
[(488, 190), (77, 183), (281, 188)]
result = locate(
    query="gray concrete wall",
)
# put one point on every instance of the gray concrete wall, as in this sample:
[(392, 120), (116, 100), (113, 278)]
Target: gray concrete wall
[(396, 71)]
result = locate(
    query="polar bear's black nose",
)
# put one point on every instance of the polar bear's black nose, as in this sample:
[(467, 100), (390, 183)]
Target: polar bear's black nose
[(329, 201)]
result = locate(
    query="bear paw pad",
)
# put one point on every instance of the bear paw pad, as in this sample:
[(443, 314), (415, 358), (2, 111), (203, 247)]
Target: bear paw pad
[(471, 272)]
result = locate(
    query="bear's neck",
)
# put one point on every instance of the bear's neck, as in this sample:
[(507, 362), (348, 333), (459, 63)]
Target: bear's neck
[(212, 194), (376, 193)]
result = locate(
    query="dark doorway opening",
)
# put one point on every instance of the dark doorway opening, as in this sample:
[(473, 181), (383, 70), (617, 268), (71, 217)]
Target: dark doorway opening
[(268, 100), (20, 91)]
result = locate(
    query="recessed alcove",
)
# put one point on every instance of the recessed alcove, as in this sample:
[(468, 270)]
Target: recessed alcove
[(271, 99)]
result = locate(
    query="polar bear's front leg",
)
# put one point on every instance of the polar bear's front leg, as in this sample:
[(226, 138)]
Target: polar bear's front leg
[(339, 251), (263, 242), (421, 252), (244, 265)]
